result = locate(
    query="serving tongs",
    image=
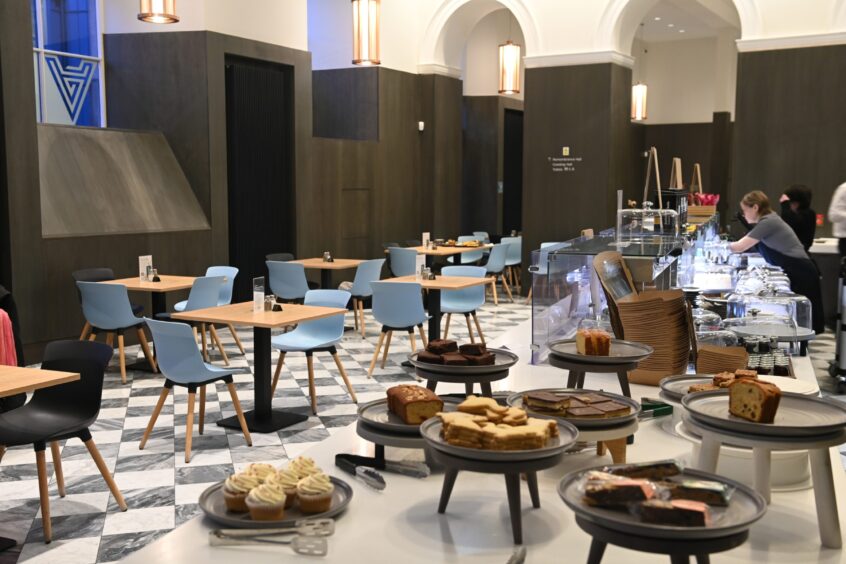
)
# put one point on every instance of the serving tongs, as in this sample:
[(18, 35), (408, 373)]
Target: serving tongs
[(305, 537)]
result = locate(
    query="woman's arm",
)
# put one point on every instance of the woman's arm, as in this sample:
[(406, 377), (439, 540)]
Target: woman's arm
[(743, 244)]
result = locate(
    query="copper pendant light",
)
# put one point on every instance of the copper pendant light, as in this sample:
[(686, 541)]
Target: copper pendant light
[(639, 89), (158, 11), (366, 32), (509, 68)]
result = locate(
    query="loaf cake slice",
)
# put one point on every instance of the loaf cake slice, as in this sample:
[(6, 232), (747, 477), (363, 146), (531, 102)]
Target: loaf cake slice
[(754, 400), (413, 404)]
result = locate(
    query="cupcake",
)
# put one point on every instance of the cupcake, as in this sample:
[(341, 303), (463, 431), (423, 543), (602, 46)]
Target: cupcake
[(262, 471), (266, 502), (235, 490), (303, 466), (314, 493), (288, 479)]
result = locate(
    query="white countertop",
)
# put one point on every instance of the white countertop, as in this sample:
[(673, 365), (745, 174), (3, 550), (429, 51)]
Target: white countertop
[(401, 524), (824, 246)]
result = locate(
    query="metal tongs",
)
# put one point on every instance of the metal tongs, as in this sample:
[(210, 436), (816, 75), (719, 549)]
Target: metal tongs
[(305, 537)]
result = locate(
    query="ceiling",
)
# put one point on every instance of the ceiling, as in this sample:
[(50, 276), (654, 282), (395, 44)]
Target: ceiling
[(674, 20)]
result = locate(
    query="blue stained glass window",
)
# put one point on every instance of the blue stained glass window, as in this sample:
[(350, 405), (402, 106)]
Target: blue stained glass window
[(34, 25), (71, 92), (70, 26)]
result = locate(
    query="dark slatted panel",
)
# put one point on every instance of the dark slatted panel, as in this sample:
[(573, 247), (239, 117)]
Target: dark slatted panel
[(512, 173)]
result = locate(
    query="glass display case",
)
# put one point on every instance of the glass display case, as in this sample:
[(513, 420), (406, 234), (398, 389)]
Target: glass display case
[(633, 223), (768, 303)]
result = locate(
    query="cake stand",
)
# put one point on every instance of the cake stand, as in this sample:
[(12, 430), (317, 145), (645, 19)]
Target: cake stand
[(612, 438), (467, 375), (625, 357)]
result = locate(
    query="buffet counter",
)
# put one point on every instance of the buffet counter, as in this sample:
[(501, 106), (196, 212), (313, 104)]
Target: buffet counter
[(401, 524)]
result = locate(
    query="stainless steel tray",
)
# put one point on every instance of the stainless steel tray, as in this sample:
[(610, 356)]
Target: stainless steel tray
[(781, 332), (797, 416), (676, 386), (376, 414), (621, 352), (505, 359), (214, 506), (567, 434), (516, 400), (745, 507)]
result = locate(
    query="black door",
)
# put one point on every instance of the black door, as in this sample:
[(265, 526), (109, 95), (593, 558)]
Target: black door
[(260, 165), (512, 173)]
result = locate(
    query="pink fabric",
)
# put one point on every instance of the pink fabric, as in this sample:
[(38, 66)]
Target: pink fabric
[(8, 356)]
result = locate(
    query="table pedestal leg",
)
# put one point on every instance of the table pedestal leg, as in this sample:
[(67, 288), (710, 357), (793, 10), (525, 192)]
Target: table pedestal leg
[(532, 481), (597, 550), (617, 448), (487, 391), (432, 384), (574, 377), (623, 376), (824, 495), (679, 559), (761, 460), (468, 388), (159, 301), (325, 278), (512, 484), (434, 314), (709, 453), (449, 481)]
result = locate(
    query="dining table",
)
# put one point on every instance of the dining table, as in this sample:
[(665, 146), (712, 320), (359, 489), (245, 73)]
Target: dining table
[(446, 251), (158, 290), (326, 267), (263, 418)]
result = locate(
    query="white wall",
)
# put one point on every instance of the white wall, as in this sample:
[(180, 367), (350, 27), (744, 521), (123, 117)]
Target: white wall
[(480, 66)]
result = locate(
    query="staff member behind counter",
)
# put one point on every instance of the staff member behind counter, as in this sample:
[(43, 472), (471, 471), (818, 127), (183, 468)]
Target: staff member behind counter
[(780, 246)]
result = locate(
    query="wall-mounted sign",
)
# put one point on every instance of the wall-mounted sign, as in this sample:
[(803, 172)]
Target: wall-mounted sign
[(566, 162)]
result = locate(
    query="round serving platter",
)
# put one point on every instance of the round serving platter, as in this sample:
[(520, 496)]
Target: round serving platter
[(516, 400), (213, 504), (797, 416), (675, 387), (783, 333), (745, 507), (376, 414), (621, 352), (431, 431), (505, 359)]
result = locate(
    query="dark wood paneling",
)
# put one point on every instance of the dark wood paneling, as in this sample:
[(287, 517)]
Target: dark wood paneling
[(691, 142), (789, 123), (479, 174), (346, 103), (5, 241), (719, 178), (447, 156)]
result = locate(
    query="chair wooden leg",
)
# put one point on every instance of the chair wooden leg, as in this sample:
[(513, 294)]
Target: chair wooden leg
[(2, 452), (205, 344), (104, 471), (122, 360), (217, 342), (493, 290), (196, 334), (239, 413), (44, 494), (423, 336), (361, 321), (145, 346), (469, 328), (202, 409), (57, 466), (237, 338), (312, 391), (529, 297), (507, 289), (387, 346), (344, 376), (189, 426), (355, 314), (412, 341), (153, 417), (276, 374), (92, 336), (446, 325), (376, 354), (86, 329), (110, 339), (478, 327)]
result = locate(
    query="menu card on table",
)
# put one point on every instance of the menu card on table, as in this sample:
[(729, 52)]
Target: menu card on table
[(145, 267), (258, 293)]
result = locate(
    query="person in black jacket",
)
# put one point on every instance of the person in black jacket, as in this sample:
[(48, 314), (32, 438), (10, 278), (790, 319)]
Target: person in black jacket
[(797, 213)]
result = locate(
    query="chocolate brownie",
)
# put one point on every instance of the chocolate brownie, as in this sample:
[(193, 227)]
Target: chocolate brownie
[(431, 358), (473, 349), (441, 346), (455, 359), (484, 359)]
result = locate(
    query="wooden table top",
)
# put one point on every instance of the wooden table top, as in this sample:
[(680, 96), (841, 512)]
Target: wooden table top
[(168, 283), (337, 264), (243, 314), (448, 251), (444, 282), (15, 380)]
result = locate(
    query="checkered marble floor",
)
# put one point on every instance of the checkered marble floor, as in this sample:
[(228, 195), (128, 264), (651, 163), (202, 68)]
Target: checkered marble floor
[(822, 350), (159, 487)]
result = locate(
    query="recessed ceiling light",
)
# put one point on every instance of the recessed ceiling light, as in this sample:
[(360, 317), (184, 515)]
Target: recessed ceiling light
[(671, 25), (657, 18), (681, 31)]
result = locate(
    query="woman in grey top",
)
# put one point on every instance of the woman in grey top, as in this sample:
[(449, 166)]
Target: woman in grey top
[(780, 246)]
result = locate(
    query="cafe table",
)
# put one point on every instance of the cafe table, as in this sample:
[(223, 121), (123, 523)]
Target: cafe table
[(17, 380), (262, 419), (444, 251), (326, 268), (158, 290), (435, 286)]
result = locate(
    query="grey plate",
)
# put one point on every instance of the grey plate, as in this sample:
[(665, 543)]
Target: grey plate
[(779, 331), (797, 416), (504, 360), (376, 414), (567, 433), (212, 502), (676, 386), (745, 507), (621, 352), (516, 400)]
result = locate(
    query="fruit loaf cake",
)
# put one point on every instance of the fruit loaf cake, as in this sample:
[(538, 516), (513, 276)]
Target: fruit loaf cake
[(413, 404)]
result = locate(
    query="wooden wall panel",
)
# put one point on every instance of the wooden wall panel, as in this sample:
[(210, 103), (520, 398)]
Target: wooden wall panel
[(346, 103), (447, 157), (480, 160), (691, 142)]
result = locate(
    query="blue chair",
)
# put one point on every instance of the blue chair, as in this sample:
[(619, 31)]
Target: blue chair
[(465, 301), (287, 280), (482, 236), (470, 257), (205, 293), (182, 365), (513, 260), (495, 268), (107, 309), (542, 262), (367, 272), (229, 273), (320, 335), (96, 275), (398, 306), (403, 261)]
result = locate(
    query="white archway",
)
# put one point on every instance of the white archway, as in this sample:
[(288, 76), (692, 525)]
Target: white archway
[(619, 21), (451, 24), (838, 22)]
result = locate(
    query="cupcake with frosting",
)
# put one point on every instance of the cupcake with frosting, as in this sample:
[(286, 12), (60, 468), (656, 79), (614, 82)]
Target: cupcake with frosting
[(303, 466), (261, 470), (235, 490), (314, 493), (266, 502), (287, 479)]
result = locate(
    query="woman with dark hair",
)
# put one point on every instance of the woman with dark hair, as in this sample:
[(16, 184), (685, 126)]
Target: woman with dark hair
[(797, 213), (780, 246)]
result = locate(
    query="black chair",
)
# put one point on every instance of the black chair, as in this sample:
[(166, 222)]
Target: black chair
[(413, 243), (7, 304), (96, 275), (62, 412)]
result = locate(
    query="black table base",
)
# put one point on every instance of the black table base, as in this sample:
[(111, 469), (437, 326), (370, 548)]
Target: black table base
[(159, 301), (434, 314), (679, 550), (277, 420)]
